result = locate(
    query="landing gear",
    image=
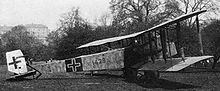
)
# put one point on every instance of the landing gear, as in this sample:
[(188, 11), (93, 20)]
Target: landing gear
[(130, 74), (34, 72), (135, 75), (149, 76)]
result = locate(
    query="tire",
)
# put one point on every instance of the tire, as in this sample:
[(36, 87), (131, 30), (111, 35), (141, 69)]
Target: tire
[(151, 76), (130, 74)]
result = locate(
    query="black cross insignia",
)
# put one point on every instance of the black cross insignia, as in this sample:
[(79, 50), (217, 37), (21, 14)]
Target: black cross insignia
[(73, 65), (15, 62)]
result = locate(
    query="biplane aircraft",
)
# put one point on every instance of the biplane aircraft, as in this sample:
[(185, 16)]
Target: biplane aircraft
[(149, 51)]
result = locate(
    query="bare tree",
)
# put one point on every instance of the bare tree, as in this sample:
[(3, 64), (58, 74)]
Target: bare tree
[(75, 32), (179, 7), (105, 19), (172, 9), (130, 11), (186, 6), (70, 19)]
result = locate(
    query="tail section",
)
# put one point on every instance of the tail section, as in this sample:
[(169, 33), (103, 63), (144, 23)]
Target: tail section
[(16, 62)]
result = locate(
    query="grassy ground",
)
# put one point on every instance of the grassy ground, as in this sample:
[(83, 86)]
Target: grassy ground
[(201, 81)]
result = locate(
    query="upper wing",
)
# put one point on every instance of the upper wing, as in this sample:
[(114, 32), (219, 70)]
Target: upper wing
[(113, 39)]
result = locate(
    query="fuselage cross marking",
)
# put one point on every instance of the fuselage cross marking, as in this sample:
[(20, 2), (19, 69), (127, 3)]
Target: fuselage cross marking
[(74, 65), (15, 62)]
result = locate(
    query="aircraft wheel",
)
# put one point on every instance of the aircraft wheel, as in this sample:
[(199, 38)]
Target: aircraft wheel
[(130, 74), (151, 76), (157, 74), (141, 77)]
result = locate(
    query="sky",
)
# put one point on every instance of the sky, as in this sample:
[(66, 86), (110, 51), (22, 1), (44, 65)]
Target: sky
[(48, 12)]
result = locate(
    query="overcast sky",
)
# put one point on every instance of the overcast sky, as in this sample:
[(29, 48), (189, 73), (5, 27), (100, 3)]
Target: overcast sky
[(48, 12)]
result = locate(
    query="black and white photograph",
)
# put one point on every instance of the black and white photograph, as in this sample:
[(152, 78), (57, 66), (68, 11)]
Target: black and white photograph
[(109, 45)]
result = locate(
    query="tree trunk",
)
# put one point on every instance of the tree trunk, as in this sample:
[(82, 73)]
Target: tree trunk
[(200, 36)]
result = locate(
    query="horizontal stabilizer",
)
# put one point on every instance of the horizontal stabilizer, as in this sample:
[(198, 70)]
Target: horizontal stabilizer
[(23, 75)]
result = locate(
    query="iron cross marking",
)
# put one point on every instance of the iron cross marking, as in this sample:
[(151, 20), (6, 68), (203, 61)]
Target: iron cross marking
[(15, 62), (74, 65)]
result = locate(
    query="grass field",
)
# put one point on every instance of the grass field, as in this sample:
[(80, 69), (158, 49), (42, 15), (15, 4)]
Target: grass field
[(200, 81)]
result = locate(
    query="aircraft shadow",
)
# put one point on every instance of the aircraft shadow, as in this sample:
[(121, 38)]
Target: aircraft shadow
[(107, 75), (159, 83), (17, 80), (165, 84), (86, 76)]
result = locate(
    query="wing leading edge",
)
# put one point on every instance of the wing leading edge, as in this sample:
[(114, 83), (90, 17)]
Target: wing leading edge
[(113, 39)]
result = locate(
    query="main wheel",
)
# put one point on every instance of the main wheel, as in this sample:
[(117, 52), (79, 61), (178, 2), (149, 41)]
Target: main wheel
[(130, 74), (151, 76)]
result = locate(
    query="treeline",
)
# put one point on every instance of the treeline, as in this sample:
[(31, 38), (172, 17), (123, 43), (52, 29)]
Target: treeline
[(127, 16)]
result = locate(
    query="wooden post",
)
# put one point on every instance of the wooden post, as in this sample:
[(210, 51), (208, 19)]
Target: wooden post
[(127, 43), (109, 45), (169, 48), (119, 44), (122, 43), (163, 43), (155, 41), (90, 50), (100, 48), (199, 35), (142, 39), (178, 37), (151, 46)]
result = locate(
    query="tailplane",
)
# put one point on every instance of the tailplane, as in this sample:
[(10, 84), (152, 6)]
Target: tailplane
[(17, 64)]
